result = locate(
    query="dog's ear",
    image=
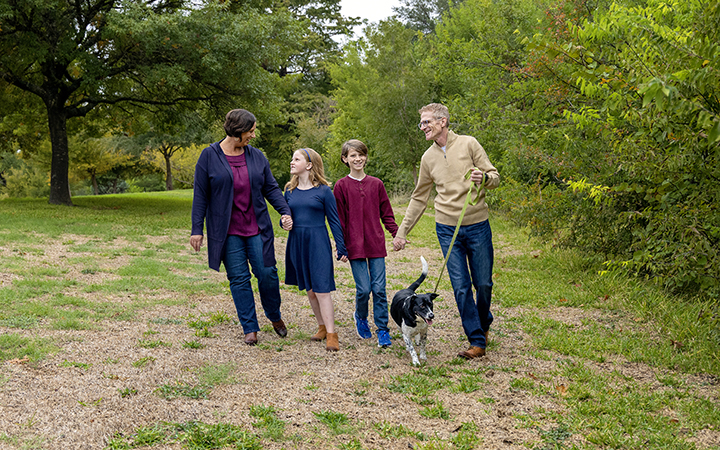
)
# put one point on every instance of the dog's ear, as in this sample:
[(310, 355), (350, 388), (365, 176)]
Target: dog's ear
[(433, 296)]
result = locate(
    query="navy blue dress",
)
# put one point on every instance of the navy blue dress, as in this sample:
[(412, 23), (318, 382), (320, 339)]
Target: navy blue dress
[(308, 254)]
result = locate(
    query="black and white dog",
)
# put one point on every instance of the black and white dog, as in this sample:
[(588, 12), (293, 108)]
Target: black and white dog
[(406, 307)]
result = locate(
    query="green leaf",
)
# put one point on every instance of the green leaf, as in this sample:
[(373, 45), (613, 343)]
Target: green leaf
[(714, 134)]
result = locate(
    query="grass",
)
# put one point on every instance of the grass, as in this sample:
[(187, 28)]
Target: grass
[(192, 435), (125, 261)]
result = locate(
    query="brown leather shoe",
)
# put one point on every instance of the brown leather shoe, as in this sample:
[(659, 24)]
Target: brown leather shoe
[(280, 328), (332, 344), (472, 353), (251, 338), (320, 335)]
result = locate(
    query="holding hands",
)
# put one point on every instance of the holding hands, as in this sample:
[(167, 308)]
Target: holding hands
[(399, 243), (287, 222)]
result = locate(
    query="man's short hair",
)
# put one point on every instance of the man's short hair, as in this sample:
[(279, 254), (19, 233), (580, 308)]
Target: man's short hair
[(438, 110)]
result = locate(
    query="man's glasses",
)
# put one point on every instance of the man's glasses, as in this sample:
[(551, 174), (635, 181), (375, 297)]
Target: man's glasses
[(425, 123)]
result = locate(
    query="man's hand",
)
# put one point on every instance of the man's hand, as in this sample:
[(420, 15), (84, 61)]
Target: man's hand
[(399, 243), (477, 176), (196, 241), (287, 222)]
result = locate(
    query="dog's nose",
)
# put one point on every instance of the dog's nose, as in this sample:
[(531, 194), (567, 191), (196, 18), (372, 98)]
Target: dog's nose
[(431, 316)]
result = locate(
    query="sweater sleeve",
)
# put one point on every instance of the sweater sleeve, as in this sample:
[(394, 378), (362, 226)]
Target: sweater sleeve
[(334, 221), (482, 162), (342, 207), (201, 190), (418, 201), (386, 212)]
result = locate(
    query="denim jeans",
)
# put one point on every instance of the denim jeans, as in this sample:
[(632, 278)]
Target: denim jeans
[(369, 275), (239, 250), (473, 247)]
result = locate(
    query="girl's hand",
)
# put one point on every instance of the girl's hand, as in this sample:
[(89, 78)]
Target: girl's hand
[(343, 258), (287, 222)]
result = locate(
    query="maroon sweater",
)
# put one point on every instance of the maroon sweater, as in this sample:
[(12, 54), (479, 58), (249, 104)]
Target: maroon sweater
[(363, 206)]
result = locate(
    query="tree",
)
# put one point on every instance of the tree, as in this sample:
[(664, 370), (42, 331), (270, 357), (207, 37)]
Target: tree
[(647, 77), (165, 132), (94, 157), (421, 15), (77, 56), (380, 86)]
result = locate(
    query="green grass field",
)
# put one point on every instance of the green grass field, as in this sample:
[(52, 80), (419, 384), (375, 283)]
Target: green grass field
[(607, 362)]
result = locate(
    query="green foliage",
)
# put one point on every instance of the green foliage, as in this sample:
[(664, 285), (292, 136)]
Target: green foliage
[(94, 54), (380, 85), (643, 90)]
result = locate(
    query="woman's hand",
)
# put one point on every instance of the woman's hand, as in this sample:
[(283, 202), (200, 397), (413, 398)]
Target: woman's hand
[(287, 222), (196, 241)]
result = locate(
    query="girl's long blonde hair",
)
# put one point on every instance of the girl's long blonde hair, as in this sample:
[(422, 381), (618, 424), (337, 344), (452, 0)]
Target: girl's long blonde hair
[(317, 172)]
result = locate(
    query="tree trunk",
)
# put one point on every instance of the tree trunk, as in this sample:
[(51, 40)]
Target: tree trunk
[(96, 191), (59, 180), (168, 173)]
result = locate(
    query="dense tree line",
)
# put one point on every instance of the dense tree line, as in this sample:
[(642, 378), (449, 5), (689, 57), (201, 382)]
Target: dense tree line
[(602, 117)]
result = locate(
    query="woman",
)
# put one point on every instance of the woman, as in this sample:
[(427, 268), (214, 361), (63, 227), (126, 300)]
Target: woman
[(232, 182)]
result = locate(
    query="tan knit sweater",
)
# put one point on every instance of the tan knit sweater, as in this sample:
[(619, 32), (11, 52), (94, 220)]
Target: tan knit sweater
[(447, 171)]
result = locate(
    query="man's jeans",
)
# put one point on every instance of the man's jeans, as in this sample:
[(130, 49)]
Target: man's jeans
[(240, 250), (473, 247), (369, 275)]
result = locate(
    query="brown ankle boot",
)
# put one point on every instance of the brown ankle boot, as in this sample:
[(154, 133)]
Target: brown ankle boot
[(472, 353), (320, 335), (332, 344)]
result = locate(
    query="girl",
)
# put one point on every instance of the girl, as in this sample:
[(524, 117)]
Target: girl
[(363, 205), (308, 258)]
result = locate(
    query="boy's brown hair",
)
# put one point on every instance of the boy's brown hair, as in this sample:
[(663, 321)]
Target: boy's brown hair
[(352, 144)]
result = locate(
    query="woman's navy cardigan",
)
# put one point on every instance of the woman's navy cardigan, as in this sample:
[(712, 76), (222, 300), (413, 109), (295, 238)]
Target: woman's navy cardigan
[(213, 200)]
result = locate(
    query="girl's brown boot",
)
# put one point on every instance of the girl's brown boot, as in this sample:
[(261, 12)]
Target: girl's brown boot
[(332, 344), (320, 335)]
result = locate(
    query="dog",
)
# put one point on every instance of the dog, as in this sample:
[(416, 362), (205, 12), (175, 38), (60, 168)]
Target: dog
[(406, 307)]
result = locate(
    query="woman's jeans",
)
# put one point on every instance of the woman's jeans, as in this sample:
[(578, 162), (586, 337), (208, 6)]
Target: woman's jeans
[(239, 250), (369, 275), (473, 247)]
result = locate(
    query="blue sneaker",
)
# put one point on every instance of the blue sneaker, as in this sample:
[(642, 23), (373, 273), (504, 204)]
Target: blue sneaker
[(363, 330), (383, 339)]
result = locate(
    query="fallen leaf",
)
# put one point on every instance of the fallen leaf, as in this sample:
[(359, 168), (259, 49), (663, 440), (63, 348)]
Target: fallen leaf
[(562, 389), (24, 359)]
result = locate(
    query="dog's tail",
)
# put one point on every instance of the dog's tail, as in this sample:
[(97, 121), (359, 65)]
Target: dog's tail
[(419, 281)]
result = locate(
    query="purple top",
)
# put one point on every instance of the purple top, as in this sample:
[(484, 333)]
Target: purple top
[(243, 221), (363, 207)]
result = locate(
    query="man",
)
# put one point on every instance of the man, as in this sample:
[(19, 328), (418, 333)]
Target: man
[(445, 164)]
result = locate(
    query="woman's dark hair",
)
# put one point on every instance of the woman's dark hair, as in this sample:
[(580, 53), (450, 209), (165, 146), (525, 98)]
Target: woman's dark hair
[(238, 121)]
